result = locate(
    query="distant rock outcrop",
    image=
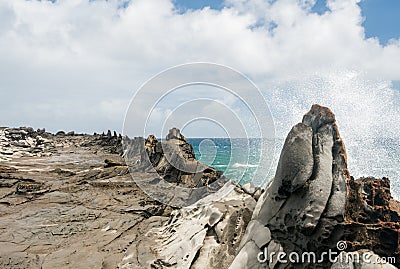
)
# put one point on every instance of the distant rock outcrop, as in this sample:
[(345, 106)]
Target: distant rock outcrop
[(109, 142), (24, 142), (173, 159)]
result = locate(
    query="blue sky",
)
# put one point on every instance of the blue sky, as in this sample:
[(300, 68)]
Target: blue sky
[(382, 17), (196, 4)]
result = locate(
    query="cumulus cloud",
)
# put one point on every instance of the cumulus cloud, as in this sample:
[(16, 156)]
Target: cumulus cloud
[(75, 63)]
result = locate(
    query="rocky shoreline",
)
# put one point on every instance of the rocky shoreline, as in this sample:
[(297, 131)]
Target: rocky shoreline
[(70, 201)]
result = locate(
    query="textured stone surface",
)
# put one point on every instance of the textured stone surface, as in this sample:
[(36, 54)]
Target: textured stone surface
[(175, 161), (172, 159), (198, 237), (373, 218), (304, 205), (79, 207), (69, 211), (65, 207), (312, 203)]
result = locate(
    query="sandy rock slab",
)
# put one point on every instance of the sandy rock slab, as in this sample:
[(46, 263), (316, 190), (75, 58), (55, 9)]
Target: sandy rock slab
[(70, 209)]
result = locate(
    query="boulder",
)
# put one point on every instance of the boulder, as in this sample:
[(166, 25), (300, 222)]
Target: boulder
[(249, 188), (41, 131)]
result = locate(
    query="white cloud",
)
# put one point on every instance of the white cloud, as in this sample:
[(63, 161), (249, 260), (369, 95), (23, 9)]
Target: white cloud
[(75, 64), (81, 57)]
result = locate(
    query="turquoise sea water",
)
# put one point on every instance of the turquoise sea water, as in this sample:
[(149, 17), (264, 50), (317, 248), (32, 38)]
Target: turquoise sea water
[(239, 159)]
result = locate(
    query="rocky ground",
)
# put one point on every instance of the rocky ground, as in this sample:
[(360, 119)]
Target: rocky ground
[(69, 201), (61, 207)]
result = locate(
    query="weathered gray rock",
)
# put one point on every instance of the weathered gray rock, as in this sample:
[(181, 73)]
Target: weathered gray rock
[(23, 142), (56, 212), (68, 210), (175, 133), (312, 204), (303, 205), (249, 188), (204, 236), (173, 159), (60, 133)]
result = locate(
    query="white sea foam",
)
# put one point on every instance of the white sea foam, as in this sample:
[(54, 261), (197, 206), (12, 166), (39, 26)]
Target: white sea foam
[(238, 165), (367, 112)]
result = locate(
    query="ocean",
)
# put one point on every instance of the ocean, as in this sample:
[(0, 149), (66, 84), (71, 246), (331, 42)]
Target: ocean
[(239, 158)]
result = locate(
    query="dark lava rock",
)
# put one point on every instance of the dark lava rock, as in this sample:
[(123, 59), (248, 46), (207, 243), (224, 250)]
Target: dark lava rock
[(175, 133), (372, 218), (63, 172), (112, 163), (112, 144)]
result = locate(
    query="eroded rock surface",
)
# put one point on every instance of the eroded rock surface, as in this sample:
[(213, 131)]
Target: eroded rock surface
[(24, 142), (204, 236), (174, 160), (79, 207), (312, 203), (67, 210), (74, 204), (373, 218)]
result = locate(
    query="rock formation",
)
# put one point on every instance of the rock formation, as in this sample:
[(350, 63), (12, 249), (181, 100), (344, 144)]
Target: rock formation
[(205, 236), (80, 208), (112, 143), (173, 159), (312, 203), (24, 142), (372, 218), (75, 204)]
